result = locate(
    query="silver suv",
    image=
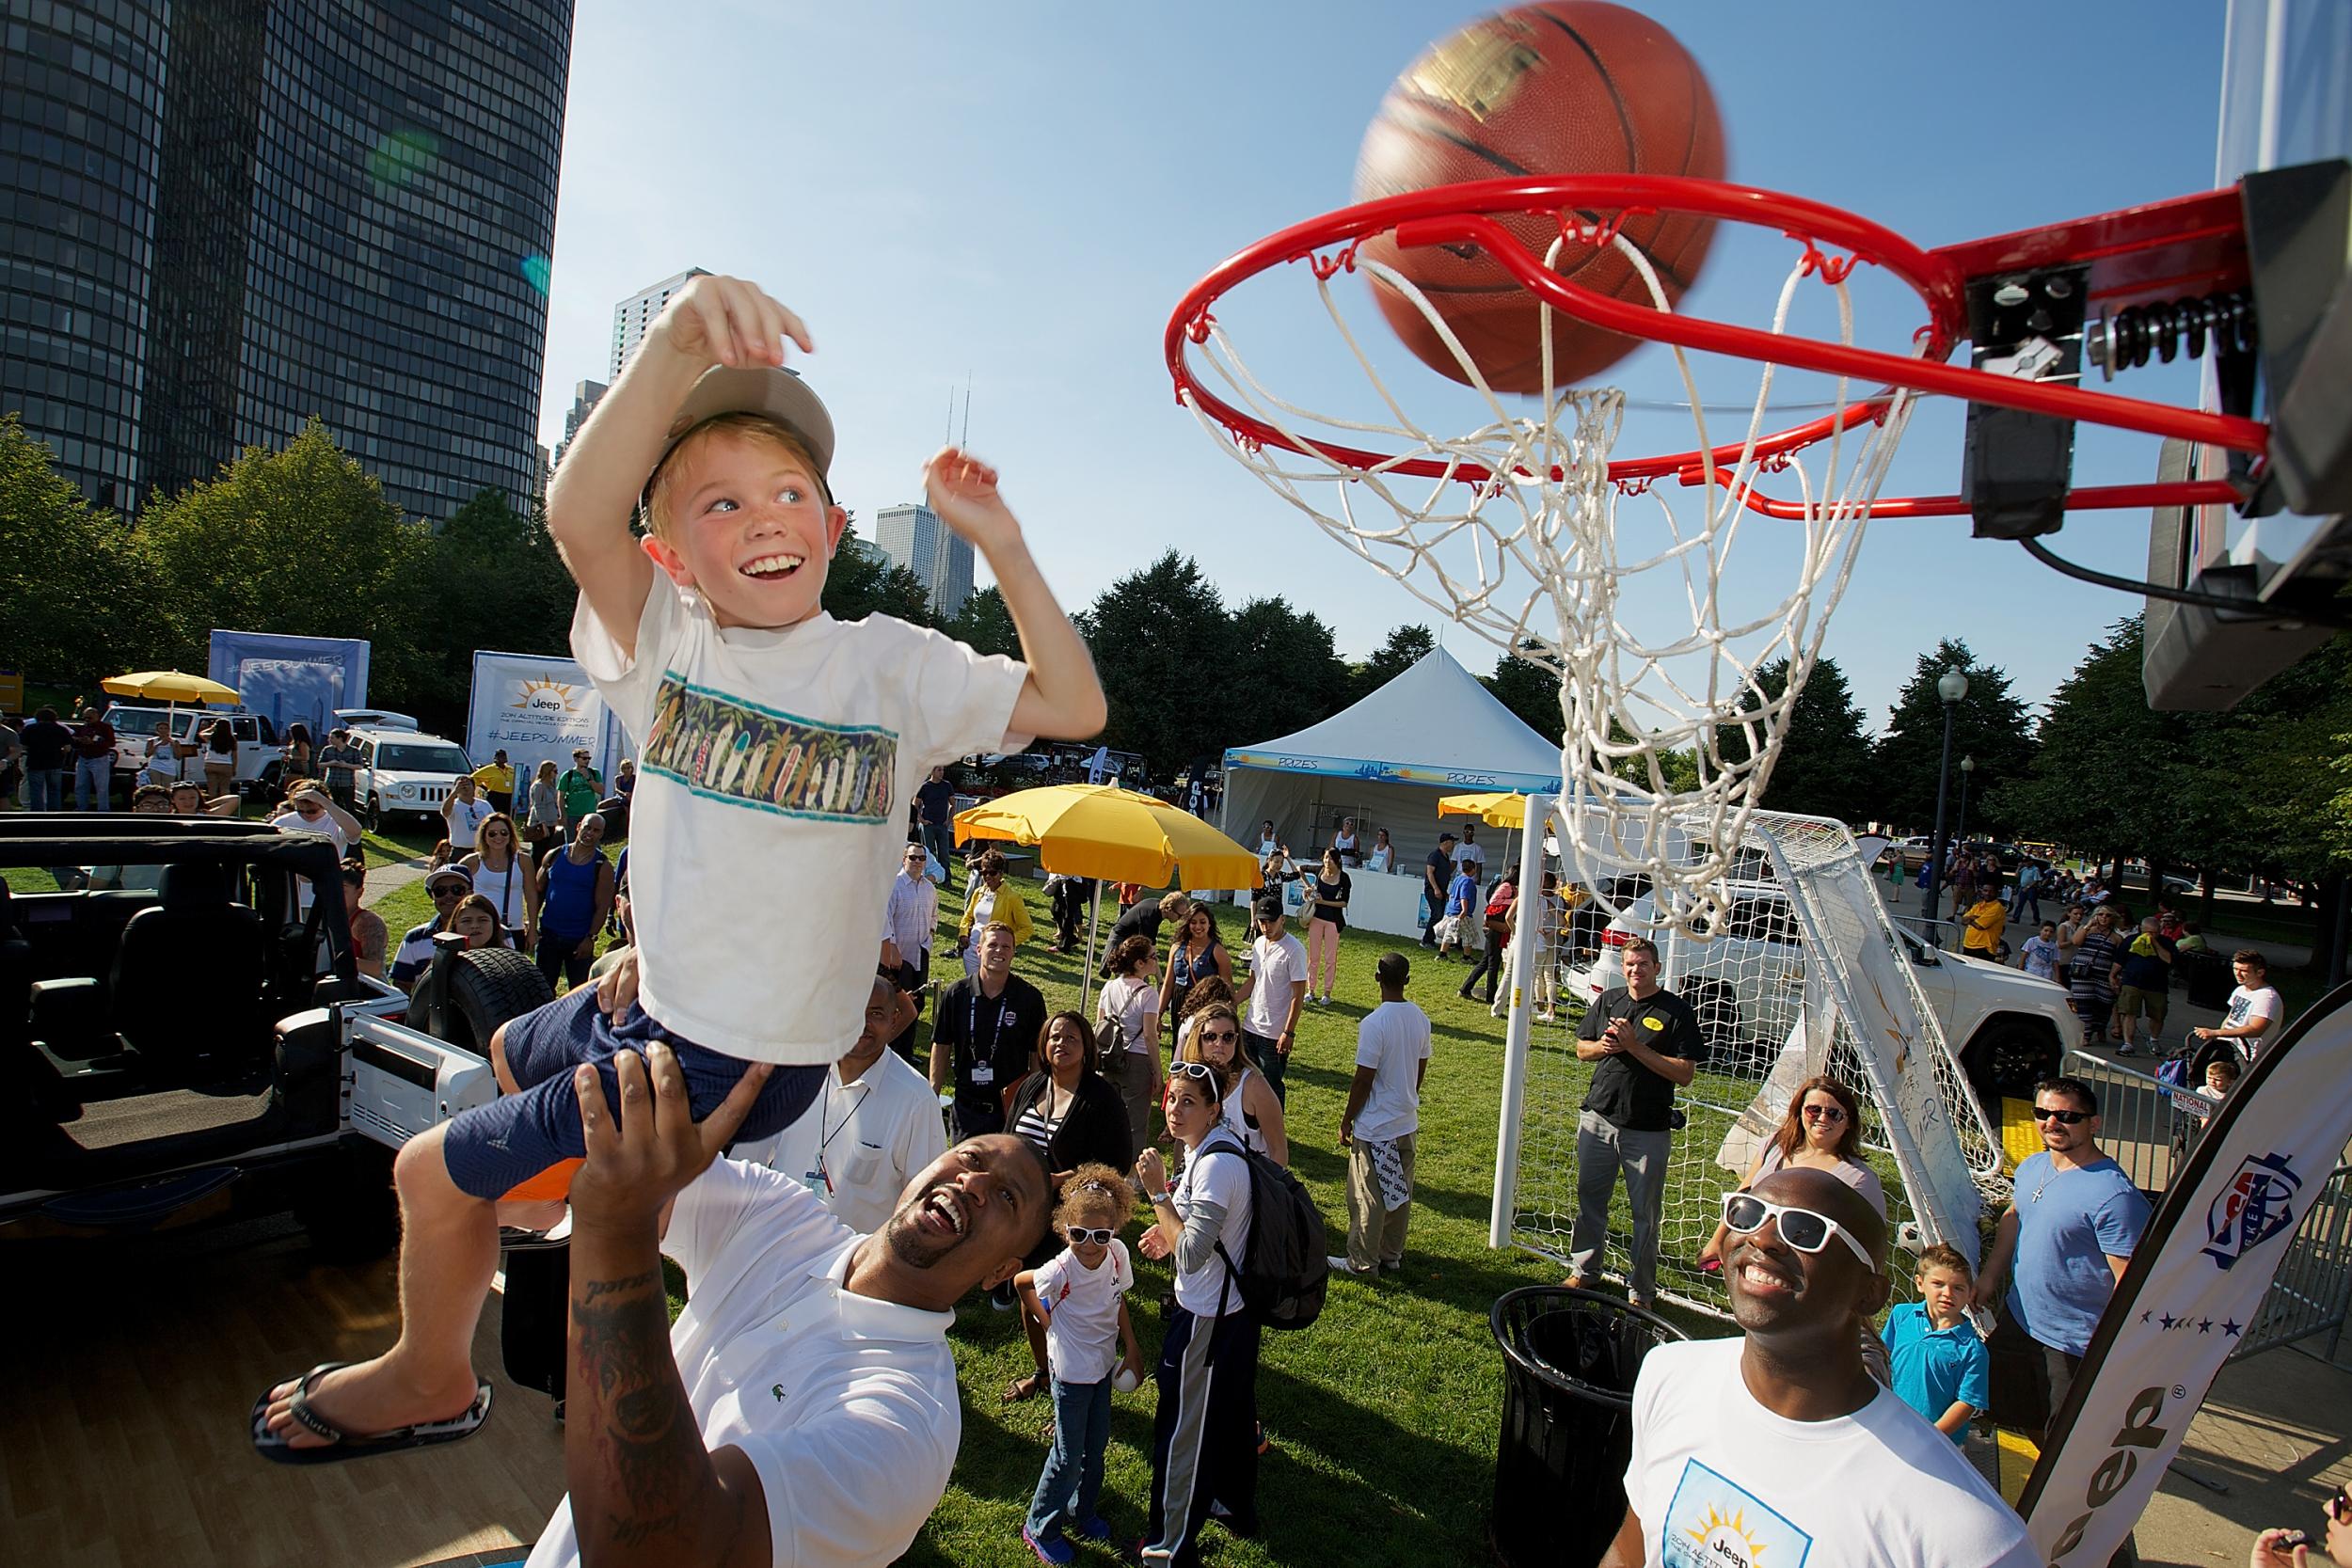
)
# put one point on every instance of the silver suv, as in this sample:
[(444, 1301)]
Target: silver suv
[(2009, 1029)]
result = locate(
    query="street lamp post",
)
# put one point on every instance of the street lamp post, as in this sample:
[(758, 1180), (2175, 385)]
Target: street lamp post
[(1951, 686), (1960, 817)]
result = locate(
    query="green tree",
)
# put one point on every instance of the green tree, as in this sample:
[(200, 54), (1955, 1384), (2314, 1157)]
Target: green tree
[(860, 580), (2100, 730), (1824, 768), (490, 579), (1530, 691), (1301, 679), (985, 625), (300, 541), (74, 606), (1159, 639), (1406, 646), (1988, 724)]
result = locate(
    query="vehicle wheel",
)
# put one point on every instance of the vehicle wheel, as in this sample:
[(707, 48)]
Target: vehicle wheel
[(2007, 1059), (348, 1206), (487, 987), (375, 814), (266, 790)]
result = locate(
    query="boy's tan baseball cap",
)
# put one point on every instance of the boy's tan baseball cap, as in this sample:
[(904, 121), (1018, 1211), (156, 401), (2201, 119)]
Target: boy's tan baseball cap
[(770, 390)]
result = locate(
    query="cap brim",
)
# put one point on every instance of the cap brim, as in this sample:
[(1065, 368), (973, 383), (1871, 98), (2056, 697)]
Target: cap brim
[(771, 392)]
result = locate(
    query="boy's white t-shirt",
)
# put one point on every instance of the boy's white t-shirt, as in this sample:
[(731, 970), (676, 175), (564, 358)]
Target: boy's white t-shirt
[(774, 767), (1716, 1478), (1393, 1041), (1082, 1312)]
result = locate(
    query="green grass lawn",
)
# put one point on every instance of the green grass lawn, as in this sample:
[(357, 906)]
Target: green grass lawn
[(1384, 1414)]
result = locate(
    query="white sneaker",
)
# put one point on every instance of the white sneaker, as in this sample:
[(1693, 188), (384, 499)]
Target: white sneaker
[(1341, 1265)]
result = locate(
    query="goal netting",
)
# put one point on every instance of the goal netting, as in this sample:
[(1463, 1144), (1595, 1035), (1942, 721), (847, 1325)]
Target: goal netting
[(1804, 975)]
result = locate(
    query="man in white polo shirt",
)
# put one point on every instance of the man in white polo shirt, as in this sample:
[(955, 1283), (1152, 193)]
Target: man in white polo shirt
[(874, 1127), (804, 1409)]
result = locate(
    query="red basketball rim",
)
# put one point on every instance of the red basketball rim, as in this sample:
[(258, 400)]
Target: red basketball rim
[(1457, 214)]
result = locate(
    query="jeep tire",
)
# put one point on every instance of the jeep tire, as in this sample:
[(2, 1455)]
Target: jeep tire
[(487, 986)]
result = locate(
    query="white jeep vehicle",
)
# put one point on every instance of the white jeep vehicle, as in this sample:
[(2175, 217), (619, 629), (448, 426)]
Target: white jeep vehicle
[(260, 750), (2008, 1029), (172, 1052), (405, 774)]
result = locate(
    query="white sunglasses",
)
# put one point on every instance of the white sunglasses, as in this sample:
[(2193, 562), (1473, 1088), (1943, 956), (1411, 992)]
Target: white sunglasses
[(1804, 1229)]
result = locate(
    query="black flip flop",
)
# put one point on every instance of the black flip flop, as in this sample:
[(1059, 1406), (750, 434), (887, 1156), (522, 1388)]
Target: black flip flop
[(341, 1445)]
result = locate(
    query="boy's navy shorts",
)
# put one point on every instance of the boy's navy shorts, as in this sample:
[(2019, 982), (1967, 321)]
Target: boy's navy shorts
[(493, 1149)]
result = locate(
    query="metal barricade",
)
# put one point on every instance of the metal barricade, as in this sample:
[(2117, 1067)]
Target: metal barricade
[(2308, 1295), (2148, 1127)]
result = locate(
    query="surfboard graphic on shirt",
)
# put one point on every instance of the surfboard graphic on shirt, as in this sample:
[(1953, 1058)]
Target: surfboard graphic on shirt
[(724, 748)]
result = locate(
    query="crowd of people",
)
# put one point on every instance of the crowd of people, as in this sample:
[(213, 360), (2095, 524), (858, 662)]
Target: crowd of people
[(804, 1405)]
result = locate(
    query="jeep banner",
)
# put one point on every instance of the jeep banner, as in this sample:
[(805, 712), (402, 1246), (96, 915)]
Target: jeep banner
[(536, 709), (2195, 1288)]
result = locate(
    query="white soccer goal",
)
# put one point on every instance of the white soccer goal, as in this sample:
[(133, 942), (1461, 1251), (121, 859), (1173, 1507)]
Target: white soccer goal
[(1804, 976)]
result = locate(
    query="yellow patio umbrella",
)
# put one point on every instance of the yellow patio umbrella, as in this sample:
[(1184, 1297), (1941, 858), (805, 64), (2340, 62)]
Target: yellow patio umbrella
[(1111, 834), (170, 687), (1496, 810)]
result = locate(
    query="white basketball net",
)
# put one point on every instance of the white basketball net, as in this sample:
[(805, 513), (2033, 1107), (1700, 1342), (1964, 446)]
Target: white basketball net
[(1536, 561)]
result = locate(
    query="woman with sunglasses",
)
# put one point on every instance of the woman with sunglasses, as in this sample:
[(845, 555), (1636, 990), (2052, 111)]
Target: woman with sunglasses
[(501, 874), (1198, 953), (1245, 1101), (1823, 1130), (1071, 1115), (989, 900), (1204, 1446)]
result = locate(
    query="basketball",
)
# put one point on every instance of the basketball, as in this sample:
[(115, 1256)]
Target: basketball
[(1567, 87)]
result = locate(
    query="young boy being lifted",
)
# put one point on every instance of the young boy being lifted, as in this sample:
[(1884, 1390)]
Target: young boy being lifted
[(777, 749)]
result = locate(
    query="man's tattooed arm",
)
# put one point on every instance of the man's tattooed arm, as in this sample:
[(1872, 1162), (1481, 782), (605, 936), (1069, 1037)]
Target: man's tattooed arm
[(645, 1491)]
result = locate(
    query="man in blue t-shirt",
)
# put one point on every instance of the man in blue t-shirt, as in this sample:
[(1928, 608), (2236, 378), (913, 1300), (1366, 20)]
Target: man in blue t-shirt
[(2073, 1220)]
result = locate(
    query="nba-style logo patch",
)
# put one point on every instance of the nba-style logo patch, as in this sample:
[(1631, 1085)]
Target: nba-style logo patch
[(726, 749), (2258, 1204), (1714, 1522)]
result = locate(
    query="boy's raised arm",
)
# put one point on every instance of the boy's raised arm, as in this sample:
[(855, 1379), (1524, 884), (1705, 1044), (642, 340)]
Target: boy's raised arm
[(712, 320), (1061, 700)]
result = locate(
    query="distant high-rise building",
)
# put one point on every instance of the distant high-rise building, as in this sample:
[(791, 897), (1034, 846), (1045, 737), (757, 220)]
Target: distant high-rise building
[(913, 537), (634, 314), (584, 396), (223, 218)]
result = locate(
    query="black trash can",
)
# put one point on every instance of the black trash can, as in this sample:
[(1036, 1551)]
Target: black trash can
[(2208, 977), (1569, 1359)]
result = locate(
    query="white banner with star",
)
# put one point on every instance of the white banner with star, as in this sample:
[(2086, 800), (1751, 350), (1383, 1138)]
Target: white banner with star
[(2194, 1288)]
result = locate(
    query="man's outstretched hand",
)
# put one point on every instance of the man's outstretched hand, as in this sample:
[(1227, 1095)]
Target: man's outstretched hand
[(643, 1156)]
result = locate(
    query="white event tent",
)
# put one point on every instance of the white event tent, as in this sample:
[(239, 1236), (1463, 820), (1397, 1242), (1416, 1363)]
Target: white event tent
[(1433, 731)]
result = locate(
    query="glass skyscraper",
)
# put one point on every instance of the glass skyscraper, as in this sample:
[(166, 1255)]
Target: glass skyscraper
[(219, 219)]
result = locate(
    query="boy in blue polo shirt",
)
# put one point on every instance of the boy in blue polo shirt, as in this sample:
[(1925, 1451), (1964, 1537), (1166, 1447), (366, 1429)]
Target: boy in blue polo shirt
[(1940, 1364)]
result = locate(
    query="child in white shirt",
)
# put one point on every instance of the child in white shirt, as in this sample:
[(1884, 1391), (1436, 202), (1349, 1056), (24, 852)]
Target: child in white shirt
[(1082, 1295), (777, 747)]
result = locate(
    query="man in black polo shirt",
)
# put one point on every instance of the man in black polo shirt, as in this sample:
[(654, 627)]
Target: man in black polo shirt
[(984, 1036), (1436, 874), (1642, 1041)]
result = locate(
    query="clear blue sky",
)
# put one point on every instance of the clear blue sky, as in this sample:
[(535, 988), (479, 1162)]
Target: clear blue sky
[(1021, 192)]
